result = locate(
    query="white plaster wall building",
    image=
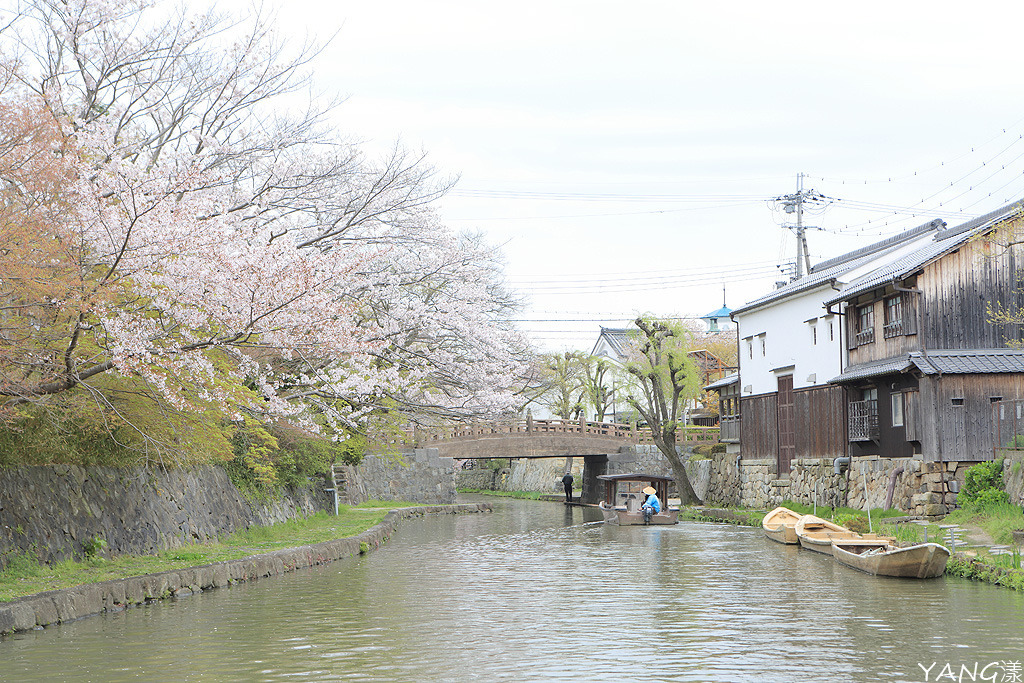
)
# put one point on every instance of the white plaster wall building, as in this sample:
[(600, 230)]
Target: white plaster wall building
[(791, 345)]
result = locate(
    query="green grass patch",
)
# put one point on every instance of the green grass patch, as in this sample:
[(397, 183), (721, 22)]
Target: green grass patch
[(827, 512), (728, 515), (528, 495), (987, 570), (25, 575), (854, 520), (998, 519)]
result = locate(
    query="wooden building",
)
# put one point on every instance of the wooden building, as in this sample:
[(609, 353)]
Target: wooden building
[(925, 362), (790, 347)]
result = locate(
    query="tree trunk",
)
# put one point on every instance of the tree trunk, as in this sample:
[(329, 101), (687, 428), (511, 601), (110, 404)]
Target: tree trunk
[(687, 496)]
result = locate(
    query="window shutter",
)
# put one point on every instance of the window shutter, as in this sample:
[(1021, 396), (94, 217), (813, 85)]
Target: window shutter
[(909, 306), (851, 327)]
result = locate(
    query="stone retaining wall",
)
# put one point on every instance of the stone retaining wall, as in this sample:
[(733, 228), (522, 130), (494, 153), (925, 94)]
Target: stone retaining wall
[(1013, 477), (419, 476), (919, 488), (54, 511), (53, 607)]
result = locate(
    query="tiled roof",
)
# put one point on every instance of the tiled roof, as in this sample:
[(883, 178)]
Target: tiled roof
[(617, 338), (944, 242), (826, 271), (873, 369), (969, 361), (940, 361), (814, 280)]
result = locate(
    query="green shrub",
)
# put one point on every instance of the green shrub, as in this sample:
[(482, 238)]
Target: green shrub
[(270, 457), (719, 448), (983, 485), (93, 547)]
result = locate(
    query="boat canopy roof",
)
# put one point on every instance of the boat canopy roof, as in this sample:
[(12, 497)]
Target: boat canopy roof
[(634, 476)]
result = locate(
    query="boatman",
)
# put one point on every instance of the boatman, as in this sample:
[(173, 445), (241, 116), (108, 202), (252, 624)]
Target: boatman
[(567, 483), (652, 505)]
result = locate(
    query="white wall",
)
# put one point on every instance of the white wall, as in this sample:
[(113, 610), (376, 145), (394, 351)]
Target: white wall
[(789, 344)]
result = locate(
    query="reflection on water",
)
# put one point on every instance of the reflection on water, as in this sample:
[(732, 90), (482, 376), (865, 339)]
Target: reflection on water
[(540, 591)]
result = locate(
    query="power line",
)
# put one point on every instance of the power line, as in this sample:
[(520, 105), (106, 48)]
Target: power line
[(671, 275)]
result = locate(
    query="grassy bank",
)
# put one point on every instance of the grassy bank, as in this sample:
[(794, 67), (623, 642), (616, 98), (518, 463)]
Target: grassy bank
[(25, 575), (527, 495), (726, 515)]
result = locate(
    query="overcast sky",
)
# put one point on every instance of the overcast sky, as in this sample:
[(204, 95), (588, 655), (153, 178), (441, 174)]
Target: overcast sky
[(624, 154)]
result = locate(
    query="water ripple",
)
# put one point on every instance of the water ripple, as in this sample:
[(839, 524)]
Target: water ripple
[(537, 592)]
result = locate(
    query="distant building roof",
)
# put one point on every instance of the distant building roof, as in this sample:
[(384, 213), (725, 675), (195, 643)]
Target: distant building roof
[(724, 382), (722, 312), (617, 338)]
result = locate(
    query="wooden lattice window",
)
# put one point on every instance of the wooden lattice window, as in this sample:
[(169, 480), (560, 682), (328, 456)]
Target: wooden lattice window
[(865, 324)]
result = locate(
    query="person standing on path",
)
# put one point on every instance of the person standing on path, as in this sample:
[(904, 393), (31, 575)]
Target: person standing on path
[(567, 483)]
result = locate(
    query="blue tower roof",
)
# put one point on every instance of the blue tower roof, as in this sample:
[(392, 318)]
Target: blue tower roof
[(722, 312)]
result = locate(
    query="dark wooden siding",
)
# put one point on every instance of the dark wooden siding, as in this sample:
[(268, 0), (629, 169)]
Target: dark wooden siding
[(957, 290), (956, 414), (759, 436), (821, 422)]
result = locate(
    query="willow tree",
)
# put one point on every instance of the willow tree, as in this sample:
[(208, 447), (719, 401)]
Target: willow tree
[(562, 385), (597, 372), (664, 379)]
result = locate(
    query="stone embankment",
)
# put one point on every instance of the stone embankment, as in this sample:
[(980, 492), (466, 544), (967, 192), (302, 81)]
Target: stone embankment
[(53, 607), (921, 488), (55, 512)]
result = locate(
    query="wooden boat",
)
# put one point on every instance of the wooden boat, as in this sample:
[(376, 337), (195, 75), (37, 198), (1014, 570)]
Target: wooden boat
[(817, 534), (780, 525), (922, 561), (624, 496)]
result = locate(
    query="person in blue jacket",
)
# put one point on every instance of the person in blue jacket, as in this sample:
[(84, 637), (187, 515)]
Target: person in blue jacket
[(652, 505)]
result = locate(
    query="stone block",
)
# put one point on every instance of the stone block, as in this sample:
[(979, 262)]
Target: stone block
[(934, 510), (24, 615), (113, 594), (950, 499), (6, 620), (64, 605), (87, 600), (135, 591), (926, 498), (953, 485)]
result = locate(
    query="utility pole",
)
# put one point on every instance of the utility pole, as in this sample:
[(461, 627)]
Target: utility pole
[(794, 204)]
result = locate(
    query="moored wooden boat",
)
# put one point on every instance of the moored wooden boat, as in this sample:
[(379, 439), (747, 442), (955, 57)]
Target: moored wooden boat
[(623, 498), (780, 525), (817, 534), (922, 561)]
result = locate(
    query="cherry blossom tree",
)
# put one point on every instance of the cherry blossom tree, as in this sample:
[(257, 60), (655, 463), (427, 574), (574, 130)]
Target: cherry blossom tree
[(225, 253)]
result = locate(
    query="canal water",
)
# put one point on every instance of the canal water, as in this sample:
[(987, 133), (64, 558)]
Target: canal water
[(539, 592)]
